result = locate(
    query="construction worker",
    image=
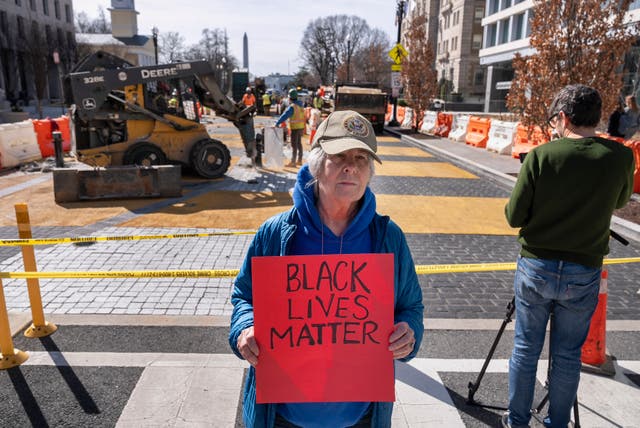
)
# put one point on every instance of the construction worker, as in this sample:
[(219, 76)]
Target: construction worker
[(173, 102), (248, 99), (295, 114), (318, 102), (266, 104)]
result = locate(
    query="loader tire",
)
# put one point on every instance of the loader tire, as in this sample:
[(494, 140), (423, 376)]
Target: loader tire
[(145, 154), (210, 158)]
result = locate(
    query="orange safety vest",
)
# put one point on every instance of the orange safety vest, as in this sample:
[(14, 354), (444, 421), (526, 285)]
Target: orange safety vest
[(248, 100), (296, 121)]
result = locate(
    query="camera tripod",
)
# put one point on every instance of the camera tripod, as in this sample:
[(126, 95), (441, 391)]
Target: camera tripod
[(535, 412)]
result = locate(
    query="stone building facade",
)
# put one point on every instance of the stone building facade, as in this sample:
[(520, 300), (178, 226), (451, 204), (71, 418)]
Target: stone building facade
[(37, 39)]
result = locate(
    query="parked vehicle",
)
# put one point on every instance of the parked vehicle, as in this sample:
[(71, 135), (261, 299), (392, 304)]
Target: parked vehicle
[(369, 102)]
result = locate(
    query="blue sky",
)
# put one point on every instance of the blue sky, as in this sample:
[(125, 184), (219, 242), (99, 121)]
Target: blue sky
[(274, 27)]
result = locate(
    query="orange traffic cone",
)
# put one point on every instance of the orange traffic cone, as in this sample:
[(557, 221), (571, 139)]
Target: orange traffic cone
[(594, 348)]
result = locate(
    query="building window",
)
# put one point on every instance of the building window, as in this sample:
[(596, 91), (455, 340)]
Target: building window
[(35, 31), (18, 2), (478, 15), (60, 37), (506, 4), (504, 31), (70, 40), (20, 26), (477, 41), (48, 34), (494, 6), (56, 8), (529, 19), (4, 22), (456, 18), (32, 4), (45, 7), (67, 13), (492, 31), (518, 27), (478, 78)]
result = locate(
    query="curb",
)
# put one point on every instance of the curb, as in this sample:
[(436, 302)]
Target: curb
[(625, 228), (20, 320)]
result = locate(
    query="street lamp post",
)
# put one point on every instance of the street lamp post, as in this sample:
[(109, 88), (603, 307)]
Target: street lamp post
[(348, 58), (399, 16), (333, 68), (154, 33)]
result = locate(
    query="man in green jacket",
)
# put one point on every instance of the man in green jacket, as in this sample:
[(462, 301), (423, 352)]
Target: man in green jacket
[(563, 201)]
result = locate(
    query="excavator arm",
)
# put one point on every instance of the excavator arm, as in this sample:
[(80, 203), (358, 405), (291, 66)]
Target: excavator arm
[(97, 75)]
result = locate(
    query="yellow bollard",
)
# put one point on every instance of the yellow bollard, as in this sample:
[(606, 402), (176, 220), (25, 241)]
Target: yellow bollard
[(39, 327), (11, 357)]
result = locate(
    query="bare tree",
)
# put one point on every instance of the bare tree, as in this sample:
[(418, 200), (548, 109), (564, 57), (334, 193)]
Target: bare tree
[(418, 72), (372, 62), (99, 25), (329, 42), (83, 23), (575, 41), (171, 47), (214, 47)]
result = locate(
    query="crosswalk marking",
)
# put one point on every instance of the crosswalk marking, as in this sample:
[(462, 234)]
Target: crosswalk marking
[(195, 389)]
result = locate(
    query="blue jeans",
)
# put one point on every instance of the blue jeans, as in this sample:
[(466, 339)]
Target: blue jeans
[(569, 291)]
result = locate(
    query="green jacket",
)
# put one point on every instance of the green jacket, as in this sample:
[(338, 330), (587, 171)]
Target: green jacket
[(565, 195)]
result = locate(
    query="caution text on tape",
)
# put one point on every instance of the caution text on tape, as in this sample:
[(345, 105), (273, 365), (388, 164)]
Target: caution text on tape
[(227, 273), (85, 239)]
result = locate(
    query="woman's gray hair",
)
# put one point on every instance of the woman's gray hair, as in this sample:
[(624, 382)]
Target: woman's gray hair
[(316, 159)]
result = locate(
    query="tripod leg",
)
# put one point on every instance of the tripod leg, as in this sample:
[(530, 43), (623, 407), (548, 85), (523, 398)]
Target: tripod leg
[(576, 414), (473, 386)]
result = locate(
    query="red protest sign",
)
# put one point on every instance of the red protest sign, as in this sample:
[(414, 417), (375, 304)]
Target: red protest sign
[(322, 324)]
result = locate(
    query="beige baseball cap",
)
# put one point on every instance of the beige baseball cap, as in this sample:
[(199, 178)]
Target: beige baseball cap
[(345, 130)]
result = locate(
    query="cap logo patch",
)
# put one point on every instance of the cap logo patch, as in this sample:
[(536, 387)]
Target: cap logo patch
[(355, 126)]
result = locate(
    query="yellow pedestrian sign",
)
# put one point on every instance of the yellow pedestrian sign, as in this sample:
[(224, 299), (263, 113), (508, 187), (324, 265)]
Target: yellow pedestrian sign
[(398, 53)]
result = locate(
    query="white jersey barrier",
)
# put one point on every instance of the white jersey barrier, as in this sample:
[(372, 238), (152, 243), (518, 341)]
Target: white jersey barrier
[(501, 136), (408, 118), (18, 144), (273, 157), (459, 127), (429, 122)]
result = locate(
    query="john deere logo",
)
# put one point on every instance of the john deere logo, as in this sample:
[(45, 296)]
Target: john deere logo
[(89, 103), (356, 126)]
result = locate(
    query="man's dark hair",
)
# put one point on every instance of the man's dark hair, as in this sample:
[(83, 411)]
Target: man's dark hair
[(580, 103)]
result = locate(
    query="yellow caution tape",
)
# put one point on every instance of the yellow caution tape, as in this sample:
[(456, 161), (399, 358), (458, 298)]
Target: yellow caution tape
[(475, 267), (50, 241), (230, 273), (220, 273)]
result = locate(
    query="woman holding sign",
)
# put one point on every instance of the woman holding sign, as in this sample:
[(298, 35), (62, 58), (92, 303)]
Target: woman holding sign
[(340, 269)]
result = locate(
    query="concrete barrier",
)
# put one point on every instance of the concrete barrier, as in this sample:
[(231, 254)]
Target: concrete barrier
[(429, 122), (18, 144), (407, 123), (501, 136), (459, 128)]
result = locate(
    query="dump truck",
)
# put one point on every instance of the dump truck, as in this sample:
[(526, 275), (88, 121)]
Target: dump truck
[(150, 115), (369, 102)]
